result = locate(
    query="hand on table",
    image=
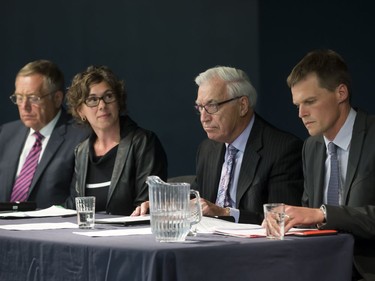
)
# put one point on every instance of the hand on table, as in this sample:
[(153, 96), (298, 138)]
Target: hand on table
[(142, 209), (211, 209)]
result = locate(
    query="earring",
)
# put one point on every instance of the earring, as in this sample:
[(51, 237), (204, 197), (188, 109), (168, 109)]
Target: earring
[(83, 119)]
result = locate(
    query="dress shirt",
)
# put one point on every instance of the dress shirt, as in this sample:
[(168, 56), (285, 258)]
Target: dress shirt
[(342, 141), (240, 144)]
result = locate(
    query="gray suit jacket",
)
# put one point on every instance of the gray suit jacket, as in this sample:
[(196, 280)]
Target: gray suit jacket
[(271, 170), (54, 173), (357, 215)]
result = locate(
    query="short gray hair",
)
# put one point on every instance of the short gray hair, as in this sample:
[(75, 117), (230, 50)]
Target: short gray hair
[(238, 83)]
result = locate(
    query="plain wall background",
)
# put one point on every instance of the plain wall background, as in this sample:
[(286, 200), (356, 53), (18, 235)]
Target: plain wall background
[(158, 47)]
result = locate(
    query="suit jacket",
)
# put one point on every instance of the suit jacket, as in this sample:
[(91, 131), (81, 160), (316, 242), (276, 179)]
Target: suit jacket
[(139, 154), (271, 170), (53, 176), (357, 215)]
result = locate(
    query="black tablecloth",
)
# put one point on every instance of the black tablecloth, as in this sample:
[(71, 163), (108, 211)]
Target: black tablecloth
[(61, 255)]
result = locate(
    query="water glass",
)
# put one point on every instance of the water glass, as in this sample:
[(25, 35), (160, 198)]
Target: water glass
[(274, 217), (85, 212)]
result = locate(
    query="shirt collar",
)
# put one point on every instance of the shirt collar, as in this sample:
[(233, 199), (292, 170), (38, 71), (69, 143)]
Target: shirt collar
[(344, 136), (46, 131), (241, 140)]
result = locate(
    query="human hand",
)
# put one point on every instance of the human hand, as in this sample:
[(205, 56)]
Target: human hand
[(142, 209), (211, 209), (302, 216)]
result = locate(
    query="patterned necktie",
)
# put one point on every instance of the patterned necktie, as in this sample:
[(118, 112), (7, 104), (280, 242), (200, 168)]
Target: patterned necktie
[(23, 181), (223, 192), (334, 179)]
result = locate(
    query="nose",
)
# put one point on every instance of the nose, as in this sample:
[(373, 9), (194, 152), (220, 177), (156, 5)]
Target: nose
[(302, 112), (25, 104), (204, 116), (101, 104)]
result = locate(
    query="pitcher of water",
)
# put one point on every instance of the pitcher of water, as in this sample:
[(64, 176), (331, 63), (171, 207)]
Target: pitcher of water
[(171, 211)]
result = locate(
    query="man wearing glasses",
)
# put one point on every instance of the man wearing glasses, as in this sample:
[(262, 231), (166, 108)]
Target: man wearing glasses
[(245, 162), (37, 152)]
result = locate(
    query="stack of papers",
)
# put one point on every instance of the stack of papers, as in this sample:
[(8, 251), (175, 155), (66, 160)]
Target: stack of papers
[(53, 211), (218, 226)]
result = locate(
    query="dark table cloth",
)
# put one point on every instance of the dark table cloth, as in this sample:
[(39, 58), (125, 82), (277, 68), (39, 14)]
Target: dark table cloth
[(44, 255)]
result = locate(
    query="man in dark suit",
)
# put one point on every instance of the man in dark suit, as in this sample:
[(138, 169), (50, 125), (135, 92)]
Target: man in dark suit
[(267, 164), (321, 89), (39, 94)]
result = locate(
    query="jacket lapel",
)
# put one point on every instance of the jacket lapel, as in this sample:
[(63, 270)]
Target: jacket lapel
[(358, 135), (319, 154), (54, 143), (17, 146), (216, 157), (120, 162), (250, 159)]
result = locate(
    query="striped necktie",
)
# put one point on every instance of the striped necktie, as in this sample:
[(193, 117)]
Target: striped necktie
[(24, 179), (223, 199)]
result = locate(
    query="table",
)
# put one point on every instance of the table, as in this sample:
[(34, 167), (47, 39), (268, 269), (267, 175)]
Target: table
[(45, 255)]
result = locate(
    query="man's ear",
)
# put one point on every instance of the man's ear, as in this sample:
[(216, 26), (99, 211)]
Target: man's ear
[(244, 105), (58, 98), (342, 93)]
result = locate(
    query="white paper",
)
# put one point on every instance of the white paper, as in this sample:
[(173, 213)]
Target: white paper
[(251, 232), (39, 226), (211, 225), (124, 219), (53, 211), (117, 232)]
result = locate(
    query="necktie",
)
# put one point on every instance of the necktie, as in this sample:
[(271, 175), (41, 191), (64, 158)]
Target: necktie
[(334, 179), (23, 181), (223, 192)]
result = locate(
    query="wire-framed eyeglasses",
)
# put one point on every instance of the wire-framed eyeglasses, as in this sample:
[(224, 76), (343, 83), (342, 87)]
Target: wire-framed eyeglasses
[(93, 101), (33, 98), (213, 107)]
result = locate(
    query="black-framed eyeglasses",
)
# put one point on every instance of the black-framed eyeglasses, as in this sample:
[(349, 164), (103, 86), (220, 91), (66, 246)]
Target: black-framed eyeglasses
[(33, 99), (93, 101), (213, 107)]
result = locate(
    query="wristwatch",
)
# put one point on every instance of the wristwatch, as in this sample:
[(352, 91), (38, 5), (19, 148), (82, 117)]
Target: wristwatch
[(324, 211)]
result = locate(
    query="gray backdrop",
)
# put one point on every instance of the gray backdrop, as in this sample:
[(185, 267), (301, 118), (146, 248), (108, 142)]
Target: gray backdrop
[(158, 47)]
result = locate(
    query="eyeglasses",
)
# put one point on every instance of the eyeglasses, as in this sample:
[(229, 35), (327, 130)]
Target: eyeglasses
[(93, 101), (33, 99), (213, 107)]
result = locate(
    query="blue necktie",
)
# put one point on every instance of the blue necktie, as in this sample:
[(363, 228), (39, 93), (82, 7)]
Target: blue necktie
[(334, 179), (223, 199)]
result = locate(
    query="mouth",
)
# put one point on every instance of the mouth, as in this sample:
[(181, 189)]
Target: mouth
[(208, 128), (27, 116), (104, 116), (308, 123)]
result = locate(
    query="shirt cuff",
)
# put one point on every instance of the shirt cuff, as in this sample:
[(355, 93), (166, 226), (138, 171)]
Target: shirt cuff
[(235, 213)]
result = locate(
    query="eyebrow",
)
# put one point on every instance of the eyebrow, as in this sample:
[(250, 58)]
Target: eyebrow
[(31, 94), (210, 101), (105, 92)]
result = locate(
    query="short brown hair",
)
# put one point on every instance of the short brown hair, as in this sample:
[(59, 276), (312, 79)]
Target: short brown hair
[(80, 88), (53, 77), (329, 67)]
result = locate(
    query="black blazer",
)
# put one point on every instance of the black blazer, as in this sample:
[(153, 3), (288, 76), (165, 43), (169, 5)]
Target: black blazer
[(271, 170), (139, 154), (52, 179), (357, 216)]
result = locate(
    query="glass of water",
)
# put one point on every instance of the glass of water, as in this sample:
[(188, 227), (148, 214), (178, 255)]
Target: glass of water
[(85, 211)]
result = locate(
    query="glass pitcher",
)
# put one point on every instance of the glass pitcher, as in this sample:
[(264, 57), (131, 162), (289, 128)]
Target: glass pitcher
[(171, 211)]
